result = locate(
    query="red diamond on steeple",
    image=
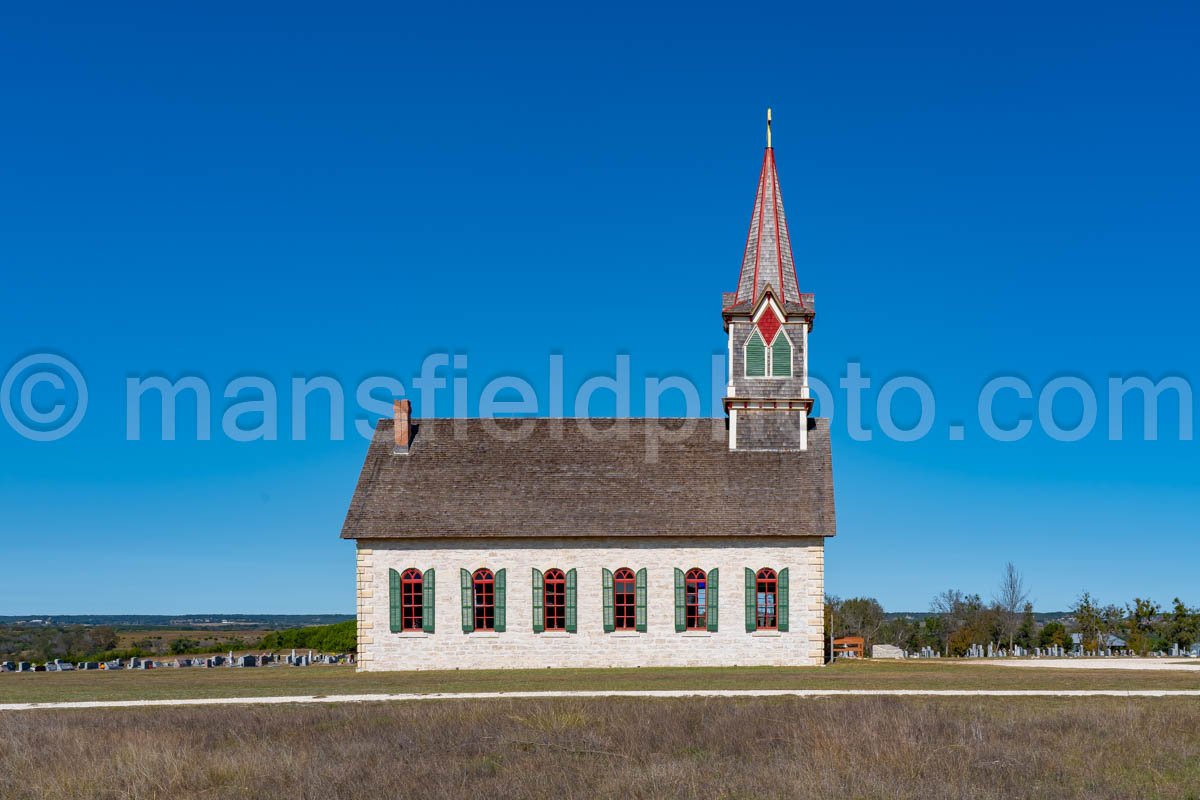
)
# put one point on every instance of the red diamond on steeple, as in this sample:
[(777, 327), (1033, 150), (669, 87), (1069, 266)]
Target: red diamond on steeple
[(768, 325)]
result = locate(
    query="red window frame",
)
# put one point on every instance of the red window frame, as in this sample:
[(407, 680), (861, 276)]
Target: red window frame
[(696, 599), (766, 590), (412, 601), (624, 600), (483, 584), (555, 599)]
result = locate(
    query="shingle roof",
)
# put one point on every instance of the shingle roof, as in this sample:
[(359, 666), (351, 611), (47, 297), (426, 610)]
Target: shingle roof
[(563, 479)]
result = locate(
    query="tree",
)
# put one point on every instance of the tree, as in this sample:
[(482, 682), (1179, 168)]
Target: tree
[(1112, 618), (859, 616), (1010, 598), (1095, 623), (1182, 625), (1142, 630), (1053, 633), (179, 646), (1027, 632), (961, 620), (1088, 621)]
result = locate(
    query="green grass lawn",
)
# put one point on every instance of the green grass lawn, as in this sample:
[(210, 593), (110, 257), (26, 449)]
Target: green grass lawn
[(323, 680)]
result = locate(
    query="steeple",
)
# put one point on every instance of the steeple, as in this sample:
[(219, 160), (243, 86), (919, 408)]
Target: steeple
[(768, 322), (768, 256)]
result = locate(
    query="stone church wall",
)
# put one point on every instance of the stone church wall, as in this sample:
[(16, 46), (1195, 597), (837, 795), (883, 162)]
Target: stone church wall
[(519, 647)]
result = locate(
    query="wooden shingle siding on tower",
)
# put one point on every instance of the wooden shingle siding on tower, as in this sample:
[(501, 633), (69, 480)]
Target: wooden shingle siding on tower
[(791, 386)]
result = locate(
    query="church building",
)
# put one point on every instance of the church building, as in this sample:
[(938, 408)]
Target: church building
[(519, 543)]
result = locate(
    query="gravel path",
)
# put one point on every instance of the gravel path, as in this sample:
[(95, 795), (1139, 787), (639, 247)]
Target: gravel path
[(1184, 665), (804, 693)]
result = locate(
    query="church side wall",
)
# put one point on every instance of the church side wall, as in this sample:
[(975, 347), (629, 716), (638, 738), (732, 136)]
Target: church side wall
[(519, 647)]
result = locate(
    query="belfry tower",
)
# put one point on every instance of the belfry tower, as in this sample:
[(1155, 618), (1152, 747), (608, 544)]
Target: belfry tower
[(768, 321)]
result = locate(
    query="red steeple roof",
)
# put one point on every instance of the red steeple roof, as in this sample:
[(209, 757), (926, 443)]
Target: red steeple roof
[(768, 257)]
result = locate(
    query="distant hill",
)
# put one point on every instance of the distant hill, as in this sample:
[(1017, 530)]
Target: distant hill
[(1042, 617)]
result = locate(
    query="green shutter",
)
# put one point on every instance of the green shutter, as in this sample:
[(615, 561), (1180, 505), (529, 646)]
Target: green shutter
[(539, 600), (606, 584), (680, 611), (751, 602), (427, 595), (781, 356), (712, 601), (468, 601), (572, 615), (781, 601), (499, 609), (756, 357), (639, 614), (395, 616)]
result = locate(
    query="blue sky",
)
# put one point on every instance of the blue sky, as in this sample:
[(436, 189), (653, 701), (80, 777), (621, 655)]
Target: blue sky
[(292, 190)]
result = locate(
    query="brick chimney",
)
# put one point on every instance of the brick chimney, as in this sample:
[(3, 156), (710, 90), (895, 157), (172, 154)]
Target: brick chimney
[(403, 426)]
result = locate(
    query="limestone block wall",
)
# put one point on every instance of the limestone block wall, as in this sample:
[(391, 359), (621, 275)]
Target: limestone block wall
[(519, 647)]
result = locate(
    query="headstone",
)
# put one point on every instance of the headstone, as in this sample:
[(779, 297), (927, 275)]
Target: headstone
[(886, 651)]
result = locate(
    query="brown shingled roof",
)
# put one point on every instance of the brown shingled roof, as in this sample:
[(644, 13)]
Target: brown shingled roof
[(461, 479)]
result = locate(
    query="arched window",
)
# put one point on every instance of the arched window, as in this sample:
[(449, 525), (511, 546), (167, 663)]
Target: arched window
[(624, 599), (696, 600), (411, 604), (556, 600), (767, 594), (781, 356), (773, 358), (483, 583), (756, 356)]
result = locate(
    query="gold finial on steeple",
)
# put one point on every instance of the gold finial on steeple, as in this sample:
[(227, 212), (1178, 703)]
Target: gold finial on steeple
[(768, 127)]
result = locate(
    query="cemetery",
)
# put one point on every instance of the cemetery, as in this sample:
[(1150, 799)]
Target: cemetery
[(244, 661)]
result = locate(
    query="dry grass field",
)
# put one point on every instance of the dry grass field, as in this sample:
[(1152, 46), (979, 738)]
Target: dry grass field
[(1094, 748), (202, 683), (132, 637)]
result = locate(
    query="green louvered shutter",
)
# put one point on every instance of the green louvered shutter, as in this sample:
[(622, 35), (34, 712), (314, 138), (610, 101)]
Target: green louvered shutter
[(712, 601), (572, 593), (781, 601), (427, 595), (395, 615), (781, 356), (468, 601), (680, 611), (499, 608), (751, 602), (639, 613), (756, 357), (539, 602), (606, 584)]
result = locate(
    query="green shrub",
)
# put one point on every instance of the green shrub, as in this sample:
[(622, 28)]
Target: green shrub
[(341, 637)]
